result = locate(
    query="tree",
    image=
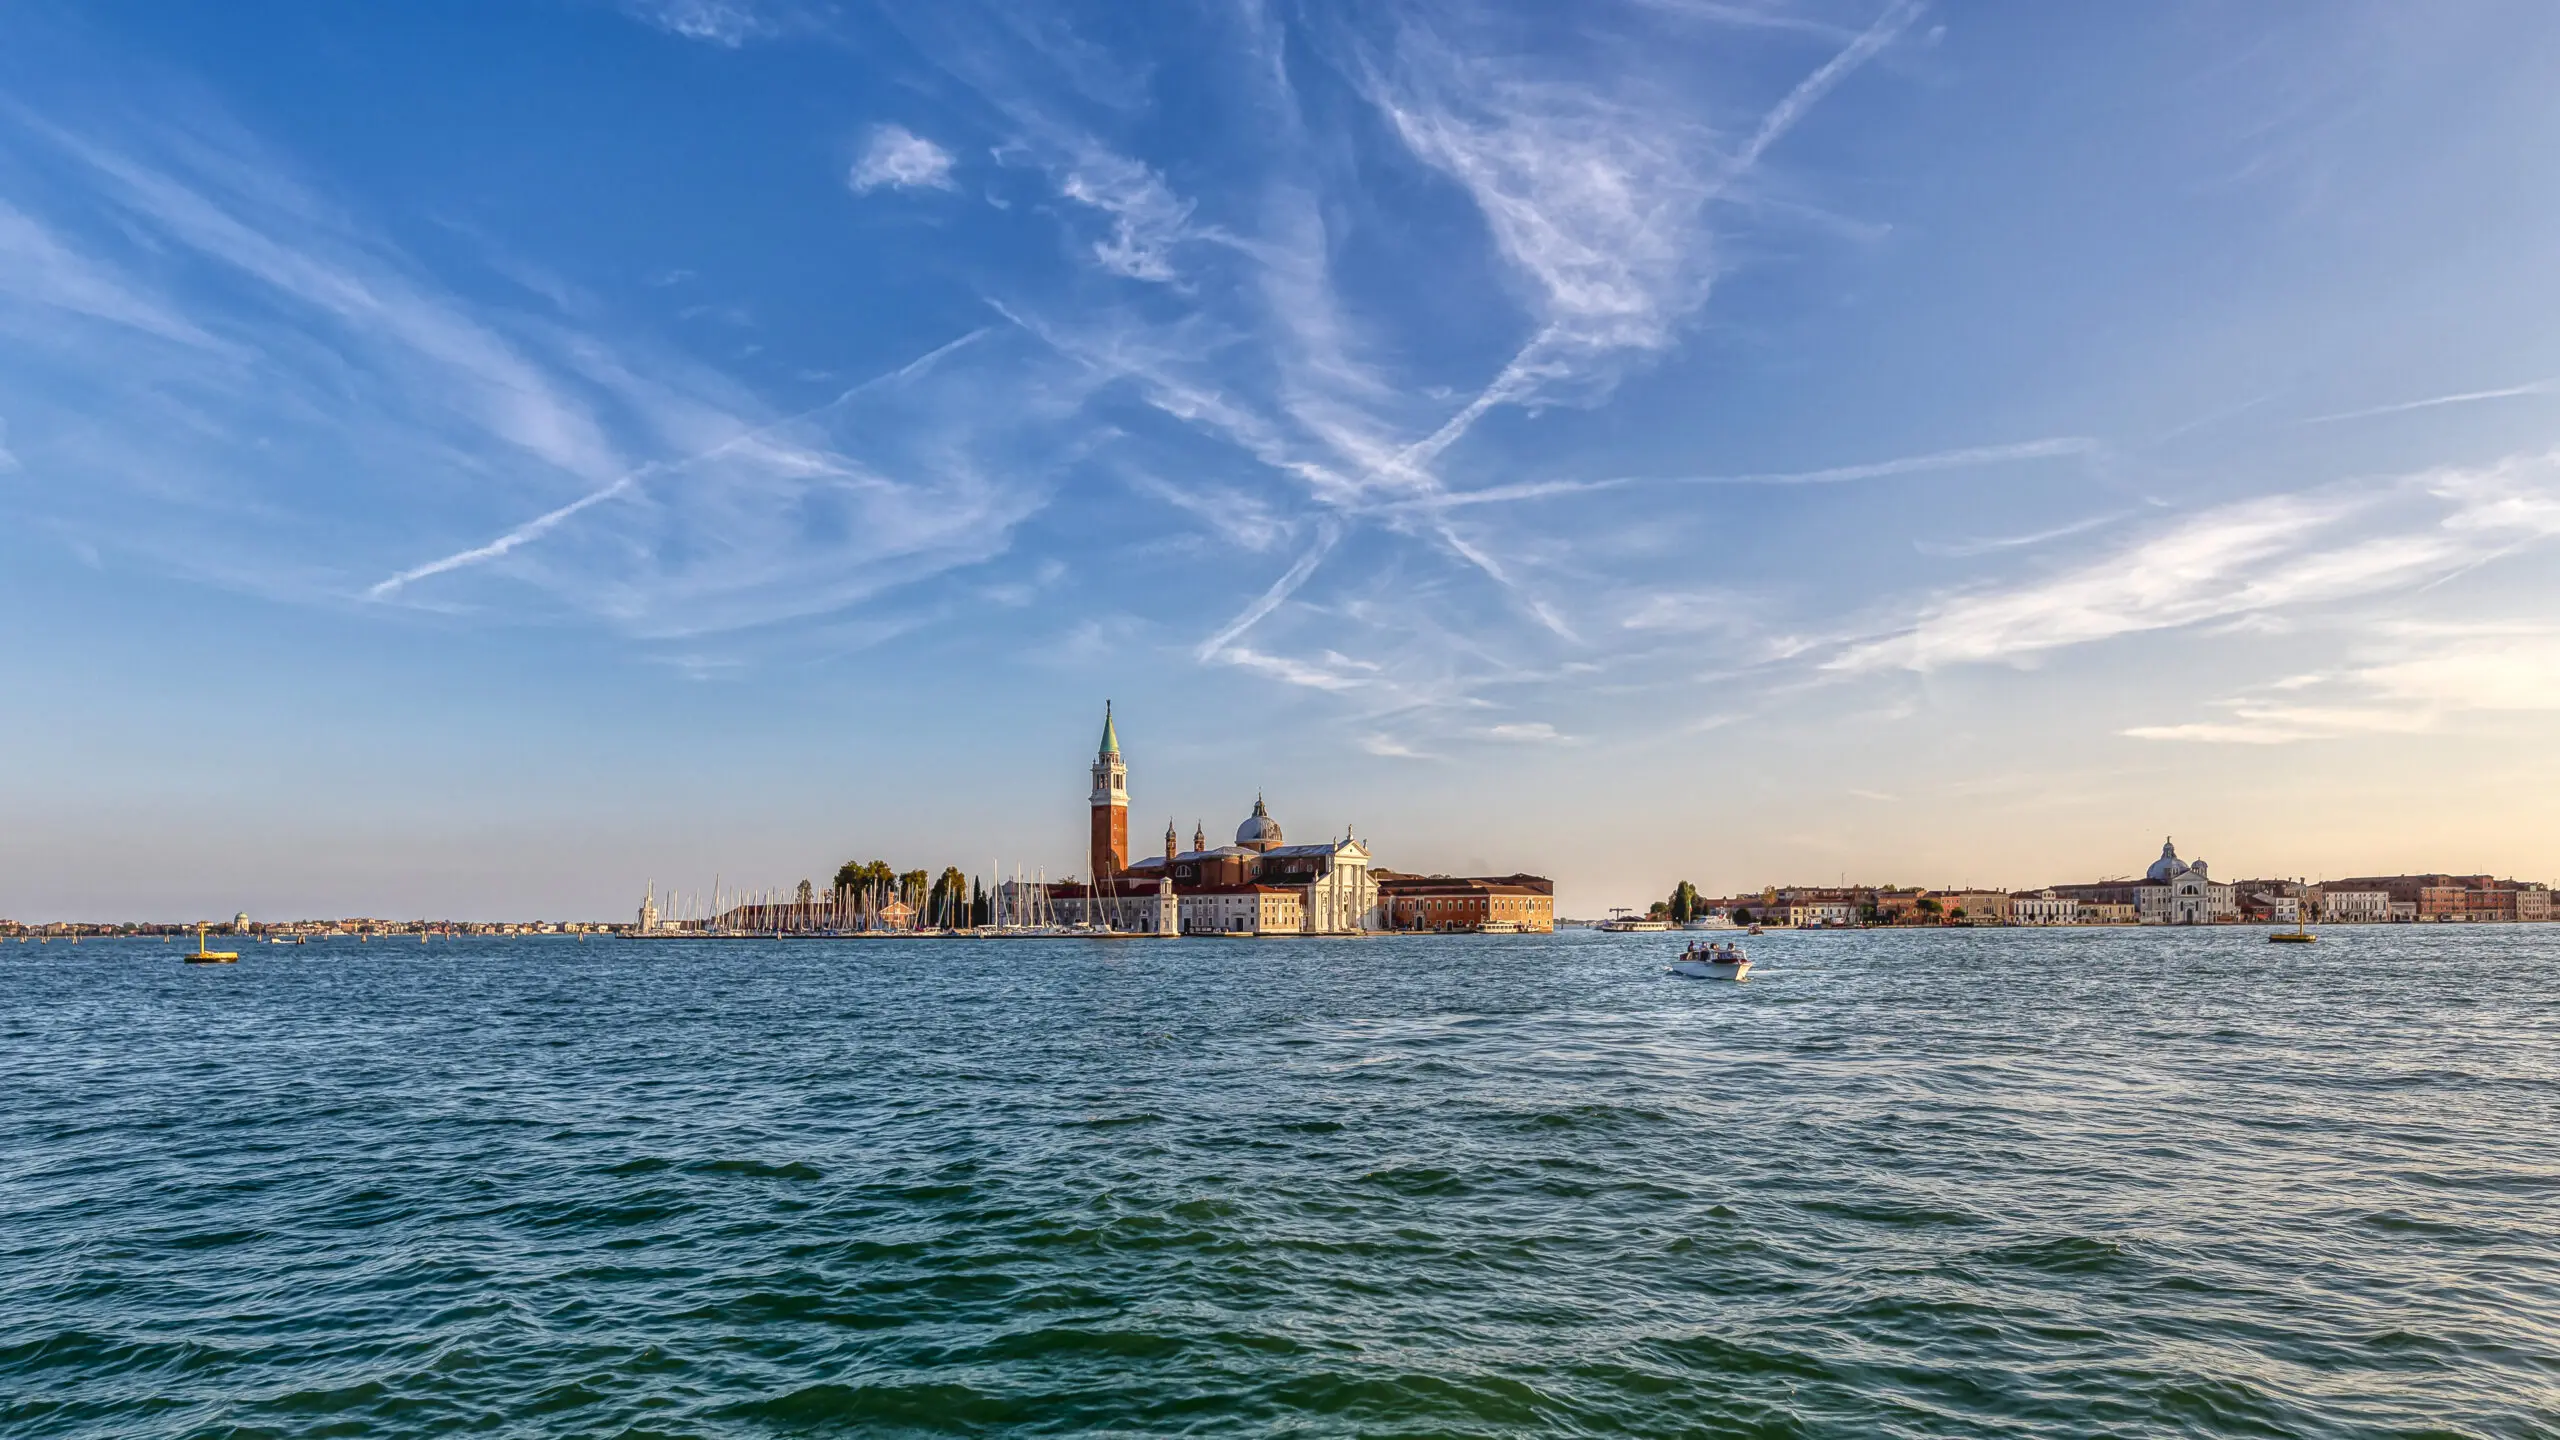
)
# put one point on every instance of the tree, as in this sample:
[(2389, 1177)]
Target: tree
[(851, 876), (950, 892), (1660, 910), (1741, 914), (1684, 903), (1956, 914), (912, 886), (980, 912), (805, 893)]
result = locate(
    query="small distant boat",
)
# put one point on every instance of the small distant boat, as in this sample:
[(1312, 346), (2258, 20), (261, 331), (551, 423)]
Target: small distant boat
[(202, 956), (1711, 922), (1711, 962)]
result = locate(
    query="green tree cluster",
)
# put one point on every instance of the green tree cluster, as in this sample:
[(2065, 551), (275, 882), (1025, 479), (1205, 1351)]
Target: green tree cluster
[(946, 904), (862, 876), (1685, 904), (950, 898)]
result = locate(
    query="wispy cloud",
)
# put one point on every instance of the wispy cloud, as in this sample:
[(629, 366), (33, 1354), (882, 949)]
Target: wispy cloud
[(524, 534), (1967, 549), (1751, 17), (1390, 747), (454, 414), (1595, 196), (900, 159), (1332, 670), (37, 268), (2468, 397), (726, 23), (1971, 457), (1809, 92), (2060, 447), (1216, 646), (2424, 678), (478, 371), (1148, 220), (2240, 560)]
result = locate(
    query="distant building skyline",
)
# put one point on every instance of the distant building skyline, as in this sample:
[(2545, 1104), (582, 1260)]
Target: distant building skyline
[(1708, 441)]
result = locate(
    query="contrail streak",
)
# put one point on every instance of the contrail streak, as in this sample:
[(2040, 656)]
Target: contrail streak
[(541, 525)]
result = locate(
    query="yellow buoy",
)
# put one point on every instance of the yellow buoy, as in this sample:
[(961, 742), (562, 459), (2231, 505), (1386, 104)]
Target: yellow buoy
[(202, 956)]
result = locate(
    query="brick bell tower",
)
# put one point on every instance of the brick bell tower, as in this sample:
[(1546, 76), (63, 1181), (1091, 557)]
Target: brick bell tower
[(1110, 852)]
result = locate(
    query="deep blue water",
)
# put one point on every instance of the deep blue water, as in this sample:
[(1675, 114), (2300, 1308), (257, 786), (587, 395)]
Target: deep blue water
[(1980, 1184)]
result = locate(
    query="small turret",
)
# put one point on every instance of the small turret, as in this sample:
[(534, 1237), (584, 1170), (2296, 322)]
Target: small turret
[(1170, 843)]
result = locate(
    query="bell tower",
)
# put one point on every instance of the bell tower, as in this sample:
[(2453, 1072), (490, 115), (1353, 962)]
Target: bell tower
[(1110, 851)]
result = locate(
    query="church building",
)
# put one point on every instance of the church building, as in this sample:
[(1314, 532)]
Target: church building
[(1260, 885), (2171, 892), (2179, 892)]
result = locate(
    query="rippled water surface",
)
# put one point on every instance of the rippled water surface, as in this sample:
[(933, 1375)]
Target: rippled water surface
[(2009, 1183)]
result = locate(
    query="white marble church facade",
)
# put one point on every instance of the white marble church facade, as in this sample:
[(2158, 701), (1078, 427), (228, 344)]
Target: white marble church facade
[(2179, 892)]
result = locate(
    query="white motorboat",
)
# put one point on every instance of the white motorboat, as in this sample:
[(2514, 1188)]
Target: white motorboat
[(1705, 961), (1711, 922)]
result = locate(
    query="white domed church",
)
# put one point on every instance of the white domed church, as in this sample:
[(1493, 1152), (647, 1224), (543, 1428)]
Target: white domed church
[(1260, 885), (2179, 892)]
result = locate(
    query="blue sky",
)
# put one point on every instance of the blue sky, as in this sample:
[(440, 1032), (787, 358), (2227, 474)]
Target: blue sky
[(481, 458)]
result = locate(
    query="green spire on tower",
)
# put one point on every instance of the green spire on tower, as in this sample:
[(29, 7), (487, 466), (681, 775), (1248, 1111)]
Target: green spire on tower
[(1110, 733)]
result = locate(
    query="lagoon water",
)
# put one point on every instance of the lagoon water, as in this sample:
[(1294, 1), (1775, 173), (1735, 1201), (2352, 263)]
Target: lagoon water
[(1983, 1184)]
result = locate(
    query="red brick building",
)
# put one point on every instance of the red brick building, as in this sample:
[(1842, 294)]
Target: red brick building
[(1472, 903)]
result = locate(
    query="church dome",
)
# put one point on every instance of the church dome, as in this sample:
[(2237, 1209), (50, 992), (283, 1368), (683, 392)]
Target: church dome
[(1259, 831), (2168, 866)]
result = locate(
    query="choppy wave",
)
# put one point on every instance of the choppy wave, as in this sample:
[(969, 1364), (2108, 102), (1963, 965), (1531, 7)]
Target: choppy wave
[(1986, 1184)]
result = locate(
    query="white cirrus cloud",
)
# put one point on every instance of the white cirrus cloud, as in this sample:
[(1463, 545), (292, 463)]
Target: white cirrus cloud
[(37, 268), (2422, 678), (897, 158), (335, 423), (2243, 562), (1332, 670), (1390, 747), (1594, 194), (1147, 219), (726, 23)]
